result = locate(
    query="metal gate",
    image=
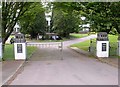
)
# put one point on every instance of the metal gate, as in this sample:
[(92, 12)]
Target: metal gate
[(113, 49), (92, 47), (48, 45)]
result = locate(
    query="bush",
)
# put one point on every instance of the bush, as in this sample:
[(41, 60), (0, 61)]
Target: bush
[(113, 31)]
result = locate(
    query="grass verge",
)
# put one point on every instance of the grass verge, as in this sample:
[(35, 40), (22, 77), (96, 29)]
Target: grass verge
[(9, 52), (113, 44), (74, 35)]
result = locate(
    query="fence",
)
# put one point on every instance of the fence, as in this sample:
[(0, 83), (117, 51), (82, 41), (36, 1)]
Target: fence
[(54, 45), (113, 49), (47, 45), (92, 48)]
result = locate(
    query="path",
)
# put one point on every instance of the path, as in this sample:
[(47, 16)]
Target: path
[(46, 68), (70, 42), (9, 68)]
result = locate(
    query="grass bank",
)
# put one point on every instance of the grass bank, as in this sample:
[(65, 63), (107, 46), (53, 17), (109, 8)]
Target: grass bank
[(85, 45), (9, 51), (74, 35)]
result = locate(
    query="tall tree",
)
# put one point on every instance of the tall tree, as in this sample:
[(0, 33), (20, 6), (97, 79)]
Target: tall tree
[(11, 12), (33, 21), (103, 16), (65, 20)]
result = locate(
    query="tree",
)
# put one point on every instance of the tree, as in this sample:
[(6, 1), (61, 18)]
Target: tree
[(64, 19), (103, 16), (33, 21), (39, 25), (11, 12)]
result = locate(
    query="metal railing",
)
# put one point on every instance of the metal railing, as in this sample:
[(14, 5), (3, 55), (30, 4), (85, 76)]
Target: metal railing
[(47, 45), (113, 49), (56, 45)]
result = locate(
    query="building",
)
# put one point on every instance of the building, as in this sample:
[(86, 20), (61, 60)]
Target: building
[(16, 29), (85, 28)]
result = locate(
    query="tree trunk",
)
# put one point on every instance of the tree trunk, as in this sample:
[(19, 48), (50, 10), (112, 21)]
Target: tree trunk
[(5, 35)]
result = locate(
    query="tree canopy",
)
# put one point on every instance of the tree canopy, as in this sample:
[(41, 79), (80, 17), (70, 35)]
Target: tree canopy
[(102, 16), (24, 13), (64, 20), (11, 12), (33, 21)]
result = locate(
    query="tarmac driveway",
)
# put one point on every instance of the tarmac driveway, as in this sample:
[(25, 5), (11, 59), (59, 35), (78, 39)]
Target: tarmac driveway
[(46, 68)]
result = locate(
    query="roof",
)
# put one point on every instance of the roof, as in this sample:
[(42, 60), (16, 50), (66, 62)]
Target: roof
[(16, 26)]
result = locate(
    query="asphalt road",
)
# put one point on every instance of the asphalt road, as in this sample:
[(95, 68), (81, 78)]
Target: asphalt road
[(45, 67)]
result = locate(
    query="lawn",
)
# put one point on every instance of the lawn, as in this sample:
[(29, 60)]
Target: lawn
[(9, 51), (74, 35), (82, 45), (85, 45)]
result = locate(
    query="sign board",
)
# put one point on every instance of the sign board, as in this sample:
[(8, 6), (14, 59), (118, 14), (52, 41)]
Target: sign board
[(103, 46), (19, 48)]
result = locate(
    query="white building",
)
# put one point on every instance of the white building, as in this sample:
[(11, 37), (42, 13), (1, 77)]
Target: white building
[(85, 27), (16, 28)]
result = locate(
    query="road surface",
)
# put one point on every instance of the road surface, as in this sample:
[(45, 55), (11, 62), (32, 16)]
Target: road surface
[(45, 67)]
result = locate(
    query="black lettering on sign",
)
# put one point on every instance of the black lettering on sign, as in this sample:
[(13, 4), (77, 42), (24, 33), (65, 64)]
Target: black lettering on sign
[(103, 46), (19, 48)]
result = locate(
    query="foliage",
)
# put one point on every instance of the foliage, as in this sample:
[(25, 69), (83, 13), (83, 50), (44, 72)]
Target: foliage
[(33, 21), (113, 31), (103, 16), (64, 20), (11, 12)]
